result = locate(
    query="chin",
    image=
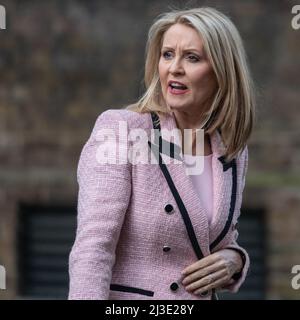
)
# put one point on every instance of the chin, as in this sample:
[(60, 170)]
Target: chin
[(176, 106)]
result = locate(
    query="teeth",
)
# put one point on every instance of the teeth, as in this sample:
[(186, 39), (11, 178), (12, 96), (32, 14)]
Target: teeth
[(178, 86)]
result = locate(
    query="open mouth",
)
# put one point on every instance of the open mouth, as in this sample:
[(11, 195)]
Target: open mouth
[(177, 88)]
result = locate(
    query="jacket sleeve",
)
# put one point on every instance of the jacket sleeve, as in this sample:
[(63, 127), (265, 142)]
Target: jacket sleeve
[(239, 278), (103, 198)]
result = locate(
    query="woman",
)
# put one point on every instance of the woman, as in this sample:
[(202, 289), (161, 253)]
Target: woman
[(155, 231)]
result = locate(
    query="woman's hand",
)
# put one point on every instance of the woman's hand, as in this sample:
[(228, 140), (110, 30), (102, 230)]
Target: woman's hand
[(212, 272)]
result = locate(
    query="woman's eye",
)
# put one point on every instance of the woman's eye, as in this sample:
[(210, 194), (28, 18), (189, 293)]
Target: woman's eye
[(167, 54), (193, 58)]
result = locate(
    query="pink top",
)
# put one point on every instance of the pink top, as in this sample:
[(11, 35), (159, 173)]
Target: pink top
[(203, 182)]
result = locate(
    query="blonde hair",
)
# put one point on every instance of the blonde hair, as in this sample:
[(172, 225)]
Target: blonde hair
[(232, 109)]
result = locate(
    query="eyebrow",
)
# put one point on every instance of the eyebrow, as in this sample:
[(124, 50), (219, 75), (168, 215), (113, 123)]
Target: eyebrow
[(185, 50)]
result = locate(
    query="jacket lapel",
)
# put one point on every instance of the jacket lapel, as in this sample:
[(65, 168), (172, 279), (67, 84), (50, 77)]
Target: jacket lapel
[(195, 217), (222, 189)]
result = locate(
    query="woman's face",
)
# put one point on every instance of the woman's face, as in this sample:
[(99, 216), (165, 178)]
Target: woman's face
[(187, 79)]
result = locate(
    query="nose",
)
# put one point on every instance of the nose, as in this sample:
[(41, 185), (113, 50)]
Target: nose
[(176, 67)]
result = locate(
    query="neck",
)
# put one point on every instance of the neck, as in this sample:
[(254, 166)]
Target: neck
[(186, 121)]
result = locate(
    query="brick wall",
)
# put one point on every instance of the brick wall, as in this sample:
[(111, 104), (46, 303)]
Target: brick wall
[(63, 62)]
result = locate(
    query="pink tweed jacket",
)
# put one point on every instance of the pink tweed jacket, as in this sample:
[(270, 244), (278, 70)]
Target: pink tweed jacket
[(139, 226)]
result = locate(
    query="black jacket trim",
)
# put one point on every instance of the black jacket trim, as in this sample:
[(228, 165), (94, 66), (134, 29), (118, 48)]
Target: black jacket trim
[(166, 147), (118, 287), (180, 204), (181, 207), (226, 166), (183, 211), (170, 149)]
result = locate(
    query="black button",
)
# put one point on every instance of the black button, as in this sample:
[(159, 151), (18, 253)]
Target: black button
[(174, 286), (204, 293), (169, 208), (166, 249)]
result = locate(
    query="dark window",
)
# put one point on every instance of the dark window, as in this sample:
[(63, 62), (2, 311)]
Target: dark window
[(46, 235), (252, 236)]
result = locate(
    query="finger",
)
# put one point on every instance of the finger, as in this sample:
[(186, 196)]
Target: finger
[(215, 285), (228, 283), (208, 280), (197, 275), (204, 262)]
